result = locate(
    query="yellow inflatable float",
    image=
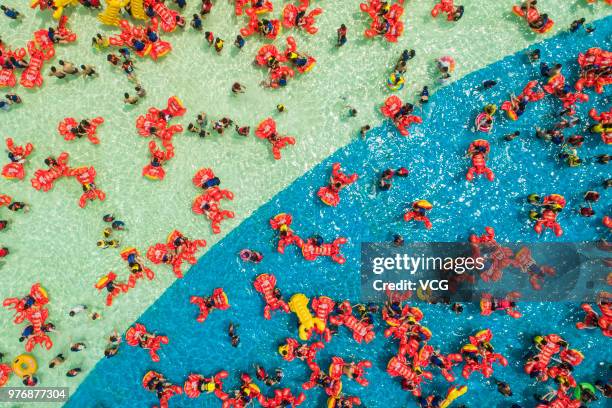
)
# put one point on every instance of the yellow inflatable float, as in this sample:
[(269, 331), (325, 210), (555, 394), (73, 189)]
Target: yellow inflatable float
[(298, 304), (58, 6), (452, 395), (24, 365), (112, 14)]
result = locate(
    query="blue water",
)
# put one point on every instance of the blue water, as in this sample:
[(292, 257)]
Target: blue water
[(434, 156)]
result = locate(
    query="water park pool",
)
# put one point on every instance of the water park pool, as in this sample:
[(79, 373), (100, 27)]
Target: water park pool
[(55, 242)]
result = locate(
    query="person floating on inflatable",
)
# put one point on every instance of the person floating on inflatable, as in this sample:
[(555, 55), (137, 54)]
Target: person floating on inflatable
[(137, 336), (525, 262), (292, 349), (419, 213), (71, 129), (484, 121), (330, 194), (267, 130), (386, 19), (44, 178), (32, 308), (385, 182), (177, 249), (154, 170), (539, 23), (112, 286), (168, 18), (490, 304), (594, 70), (323, 307), (282, 398), (299, 17), (144, 41), (354, 371), (400, 114), (314, 247), (412, 376), (515, 107), (479, 355), (86, 176), (361, 331), (218, 300), (551, 206), (196, 384), (208, 202), (298, 304), (269, 29), (453, 13), (300, 61), (478, 151), (282, 223), (17, 155), (266, 285), (593, 319), (603, 126), (138, 269), (157, 383), (497, 257)]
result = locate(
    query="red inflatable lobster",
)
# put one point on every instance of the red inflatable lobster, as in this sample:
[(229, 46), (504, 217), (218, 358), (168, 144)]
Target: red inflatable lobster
[(594, 69), (490, 304), (498, 257), (208, 202), (17, 155), (419, 213), (361, 331), (593, 319), (267, 130), (400, 114), (330, 194), (155, 170), (311, 248), (44, 178), (175, 251), (31, 308), (71, 129), (157, 383), (196, 384), (479, 355), (156, 122), (266, 285), (86, 176), (478, 151), (218, 300), (299, 17), (138, 336), (516, 105), (112, 286), (136, 38), (547, 218), (386, 19)]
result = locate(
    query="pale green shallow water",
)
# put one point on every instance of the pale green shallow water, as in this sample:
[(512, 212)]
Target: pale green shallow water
[(55, 242)]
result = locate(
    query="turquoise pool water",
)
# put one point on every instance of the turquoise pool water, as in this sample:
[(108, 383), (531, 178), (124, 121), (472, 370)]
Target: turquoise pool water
[(434, 156)]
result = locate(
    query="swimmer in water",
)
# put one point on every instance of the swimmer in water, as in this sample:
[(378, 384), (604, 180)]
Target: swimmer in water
[(364, 130), (234, 338), (89, 71), (76, 347), (68, 67), (489, 83), (401, 64), (398, 240), (219, 45), (457, 308), (76, 310), (280, 108), (424, 96), (130, 100), (11, 13), (341, 35), (243, 131), (534, 56), (196, 22), (237, 88), (239, 41), (58, 74), (601, 159), (503, 388), (13, 98), (262, 375), (18, 206), (511, 136), (57, 360), (73, 372)]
